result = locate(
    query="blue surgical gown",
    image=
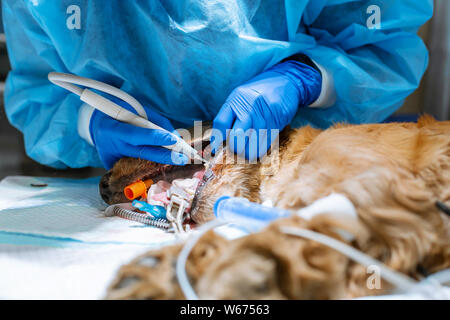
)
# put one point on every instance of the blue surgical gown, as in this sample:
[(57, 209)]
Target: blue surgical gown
[(183, 58)]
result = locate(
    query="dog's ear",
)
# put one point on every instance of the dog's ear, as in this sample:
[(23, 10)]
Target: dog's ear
[(426, 120), (274, 265), (207, 250), (399, 210), (150, 276)]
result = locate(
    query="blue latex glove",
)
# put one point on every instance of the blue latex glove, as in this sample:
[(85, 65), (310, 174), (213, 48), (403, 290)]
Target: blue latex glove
[(268, 101), (114, 139)]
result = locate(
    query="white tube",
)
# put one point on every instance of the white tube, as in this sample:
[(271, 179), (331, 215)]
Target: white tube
[(183, 280), (399, 280), (115, 111), (442, 277), (69, 82), (66, 81)]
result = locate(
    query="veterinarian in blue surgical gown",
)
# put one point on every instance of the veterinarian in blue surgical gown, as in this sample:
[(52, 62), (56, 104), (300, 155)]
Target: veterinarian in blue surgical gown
[(348, 60)]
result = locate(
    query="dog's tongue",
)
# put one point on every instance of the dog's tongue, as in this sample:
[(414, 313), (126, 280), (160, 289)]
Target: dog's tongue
[(160, 197), (199, 174)]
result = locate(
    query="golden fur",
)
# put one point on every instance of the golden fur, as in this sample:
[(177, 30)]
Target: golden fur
[(393, 173)]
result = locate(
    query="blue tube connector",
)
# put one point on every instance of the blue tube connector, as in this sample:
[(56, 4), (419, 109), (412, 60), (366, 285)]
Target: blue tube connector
[(157, 212), (251, 216)]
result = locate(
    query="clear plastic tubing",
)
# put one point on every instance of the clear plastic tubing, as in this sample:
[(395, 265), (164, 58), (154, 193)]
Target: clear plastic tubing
[(249, 215)]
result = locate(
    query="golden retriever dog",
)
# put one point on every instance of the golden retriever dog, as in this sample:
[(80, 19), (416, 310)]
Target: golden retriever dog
[(397, 175)]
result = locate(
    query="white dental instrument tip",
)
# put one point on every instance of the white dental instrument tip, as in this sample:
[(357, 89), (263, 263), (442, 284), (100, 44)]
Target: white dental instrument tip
[(183, 147)]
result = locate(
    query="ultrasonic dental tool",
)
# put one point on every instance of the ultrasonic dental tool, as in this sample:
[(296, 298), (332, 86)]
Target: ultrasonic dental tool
[(72, 82)]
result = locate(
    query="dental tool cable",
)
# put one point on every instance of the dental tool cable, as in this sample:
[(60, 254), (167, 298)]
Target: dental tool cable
[(441, 277), (400, 281), (70, 82)]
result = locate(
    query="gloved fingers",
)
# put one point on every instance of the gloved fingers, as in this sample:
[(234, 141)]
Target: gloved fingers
[(257, 140), (253, 145), (159, 120), (175, 132), (152, 115), (265, 141), (239, 136), (136, 136), (256, 146), (155, 154), (222, 122), (271, 136)]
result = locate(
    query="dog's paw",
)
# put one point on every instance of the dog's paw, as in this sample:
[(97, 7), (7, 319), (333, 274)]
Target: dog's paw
[(150, 276)]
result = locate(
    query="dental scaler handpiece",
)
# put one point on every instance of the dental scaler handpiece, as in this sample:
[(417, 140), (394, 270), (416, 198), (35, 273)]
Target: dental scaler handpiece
[(72, 82), (121, 114)]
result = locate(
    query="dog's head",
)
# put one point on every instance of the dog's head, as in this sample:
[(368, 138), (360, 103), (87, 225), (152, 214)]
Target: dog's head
[(222, 178), (129, 170), (226, 174)]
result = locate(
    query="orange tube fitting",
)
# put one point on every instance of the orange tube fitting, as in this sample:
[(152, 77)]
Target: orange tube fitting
[(137, 189)]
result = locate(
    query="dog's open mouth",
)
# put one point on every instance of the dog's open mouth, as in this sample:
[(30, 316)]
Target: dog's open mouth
[(128, 171), (169, 173), (187, 180)]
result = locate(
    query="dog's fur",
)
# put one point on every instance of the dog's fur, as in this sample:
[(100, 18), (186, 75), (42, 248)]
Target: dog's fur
[(393, 173)]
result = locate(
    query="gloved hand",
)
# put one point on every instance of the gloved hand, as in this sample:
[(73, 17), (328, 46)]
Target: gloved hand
[(114, 139), (268, 101)]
